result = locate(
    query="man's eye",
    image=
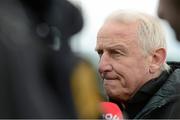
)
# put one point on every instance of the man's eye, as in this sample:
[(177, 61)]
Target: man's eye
[(117, 53)]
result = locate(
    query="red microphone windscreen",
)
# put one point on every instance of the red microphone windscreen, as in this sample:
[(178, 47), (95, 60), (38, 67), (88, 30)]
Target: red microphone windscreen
[(111, 111)]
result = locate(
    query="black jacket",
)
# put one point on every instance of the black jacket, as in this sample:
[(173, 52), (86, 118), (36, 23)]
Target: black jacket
[(166, 101)]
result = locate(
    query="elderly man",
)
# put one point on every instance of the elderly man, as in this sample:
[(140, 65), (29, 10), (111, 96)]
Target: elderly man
[(169, 10), (132, 50)]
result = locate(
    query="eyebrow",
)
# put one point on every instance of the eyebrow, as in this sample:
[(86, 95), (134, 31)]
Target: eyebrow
[(117, 46)]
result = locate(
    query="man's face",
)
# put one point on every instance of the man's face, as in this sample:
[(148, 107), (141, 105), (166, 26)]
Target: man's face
[(170, 11), (122, 66)]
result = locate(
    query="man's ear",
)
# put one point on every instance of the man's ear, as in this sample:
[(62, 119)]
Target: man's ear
[(158, 58)]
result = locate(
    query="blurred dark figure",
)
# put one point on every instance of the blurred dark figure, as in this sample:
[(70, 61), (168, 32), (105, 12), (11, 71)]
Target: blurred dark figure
[(170, 11), (40, 77)]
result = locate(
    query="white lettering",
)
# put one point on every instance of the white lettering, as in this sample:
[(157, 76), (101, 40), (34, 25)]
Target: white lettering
[(109, 116)]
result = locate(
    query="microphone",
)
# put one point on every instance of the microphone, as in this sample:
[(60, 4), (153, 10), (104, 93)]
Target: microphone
[(110, 111)]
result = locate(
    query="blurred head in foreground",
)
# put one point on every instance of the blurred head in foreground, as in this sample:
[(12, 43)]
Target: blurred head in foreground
[(170, 11)]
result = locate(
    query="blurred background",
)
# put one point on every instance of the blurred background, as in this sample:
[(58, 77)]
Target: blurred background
[(95, 12)]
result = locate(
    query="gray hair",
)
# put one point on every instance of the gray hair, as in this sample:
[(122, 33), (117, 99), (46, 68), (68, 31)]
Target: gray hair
[(150, 33)]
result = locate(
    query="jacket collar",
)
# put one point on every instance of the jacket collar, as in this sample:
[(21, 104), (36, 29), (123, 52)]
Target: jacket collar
[(164, 95)]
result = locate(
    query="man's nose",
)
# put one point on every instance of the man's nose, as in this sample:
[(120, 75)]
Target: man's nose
[(105, 64)]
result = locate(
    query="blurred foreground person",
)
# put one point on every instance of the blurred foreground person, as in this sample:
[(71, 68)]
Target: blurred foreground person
[(40, 76), (170, 11), (132, 50)]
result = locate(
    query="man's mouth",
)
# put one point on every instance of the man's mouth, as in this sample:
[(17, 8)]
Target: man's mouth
[(109, 79)]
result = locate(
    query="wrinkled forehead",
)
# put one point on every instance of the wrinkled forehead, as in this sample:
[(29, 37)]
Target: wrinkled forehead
[(113, 30), (112, 34)]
